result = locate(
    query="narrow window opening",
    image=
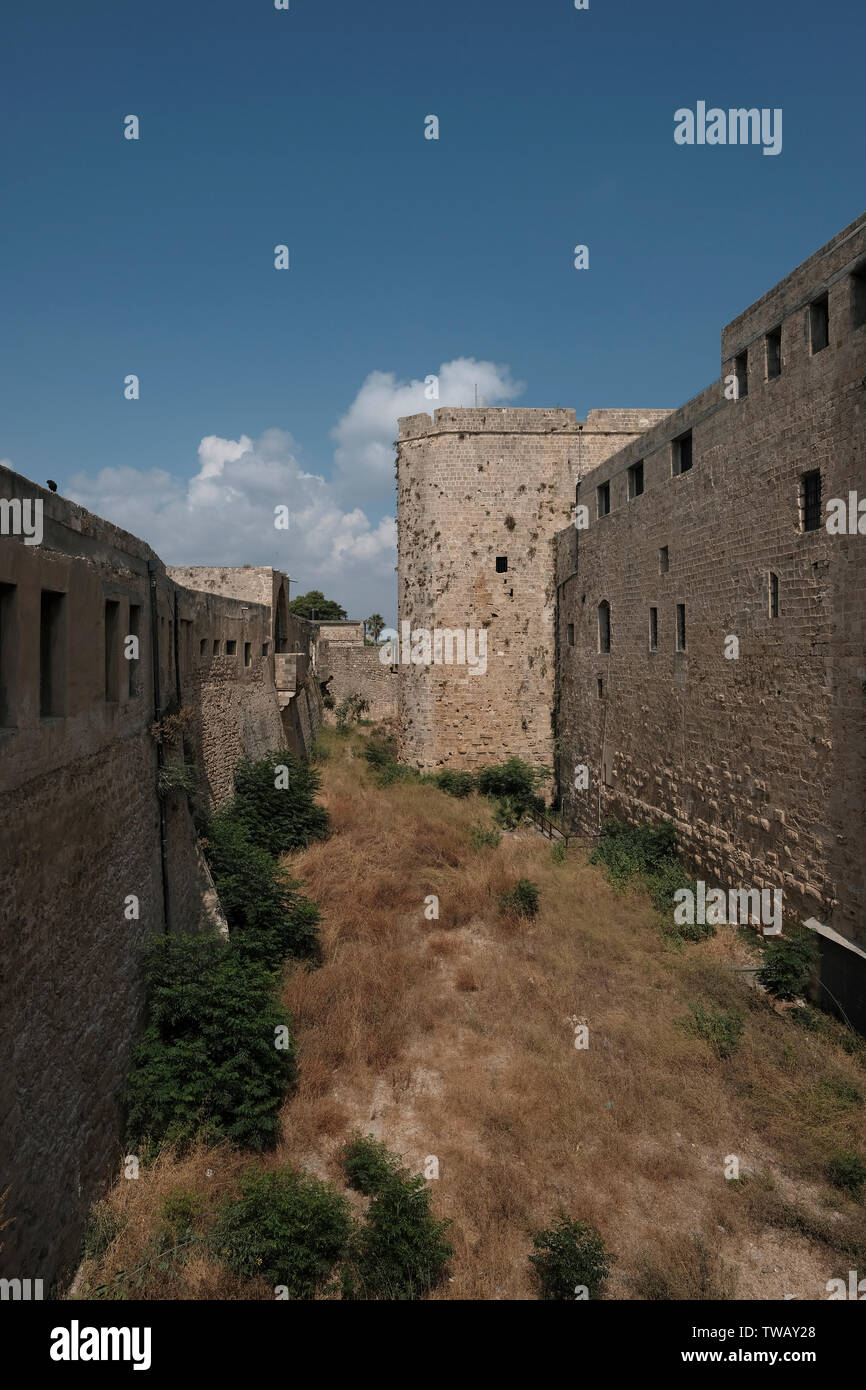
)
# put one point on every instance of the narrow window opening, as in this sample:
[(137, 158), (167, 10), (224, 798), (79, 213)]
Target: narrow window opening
[(741, 370), (8, 655), (216, 647), (112, 665), (600, 685), (202, 647), (681, 627), (653, 629), (51, 654), (774, 595), (134, 663), (264, 649), (664, 560), (635, 480), (858, 296), (501, 564), (819, 324), (810, 500), (604, 626), (774, 354), (248, 653), (682, 460), (602, 493), (231, 647), (571, 634)]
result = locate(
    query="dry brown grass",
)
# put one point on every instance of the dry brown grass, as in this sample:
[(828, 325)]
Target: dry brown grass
[(454, 1037)]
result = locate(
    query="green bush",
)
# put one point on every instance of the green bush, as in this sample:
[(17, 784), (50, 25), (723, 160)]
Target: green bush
[(460, 784), (207, 1063), (788, 963), (522, 900), (720, 1029), (368, 1165), (103, 1224), (847, 1170), (288, 1227), (514, 785), (401, 1251), (380, 750), (277, 818), (481, 838), (648, 854), (570, 1255), (182, 1211), (177, 776), (268, 918), (350, 711)]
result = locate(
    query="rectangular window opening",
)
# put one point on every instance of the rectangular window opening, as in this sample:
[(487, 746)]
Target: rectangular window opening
[(682, 459), (52, 654), (231, 647), (653, 629), (810, 500), (571, 634), (774, 354), (602, 494), (8, 655), (664, 560), (741, 370), (501, 564), (248, 653), (264, 649), (112, 664), (681, 627), (858, 296), (216, 647), (819, 324), (773, 595), (202, 647), (134, 662), (604, 626), (635, 480)]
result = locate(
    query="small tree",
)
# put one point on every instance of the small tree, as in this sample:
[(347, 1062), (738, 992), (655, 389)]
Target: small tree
[(374, 625)]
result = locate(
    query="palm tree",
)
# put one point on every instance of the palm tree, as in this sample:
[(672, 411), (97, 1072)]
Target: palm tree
[(374, 625)]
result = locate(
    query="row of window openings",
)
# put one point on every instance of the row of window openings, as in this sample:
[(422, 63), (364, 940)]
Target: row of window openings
[(819, 333), (809, 498), (682, 458), (231, 649), (52, 652), (604, 620)]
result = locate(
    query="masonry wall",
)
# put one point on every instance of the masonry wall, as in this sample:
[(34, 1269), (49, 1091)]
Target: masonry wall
[(759, 760), (474, 485), (81, 820), (350, 669)]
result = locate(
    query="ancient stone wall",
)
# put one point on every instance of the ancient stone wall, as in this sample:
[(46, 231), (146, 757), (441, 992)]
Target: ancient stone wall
[(349, 669), (481, 494), (85, 831), (756, 746)]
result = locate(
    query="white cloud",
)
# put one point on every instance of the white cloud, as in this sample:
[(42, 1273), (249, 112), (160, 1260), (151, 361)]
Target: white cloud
[(224, 514), (365, 435)]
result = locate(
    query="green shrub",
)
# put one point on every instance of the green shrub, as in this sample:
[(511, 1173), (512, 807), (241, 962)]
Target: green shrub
[(460, 784), (182, 1210), (380, 750), (177, 776), (268, 917), (481, 838), (288, 1227), (207, 1063), (278, 818), (522, 900), (368, 1164), (350, 711), (401, 1251), (513, 785), (648, 854), (557, 851), (788, 963), (320, 751), (847, 1170), (570, 1255), (720, 1029)]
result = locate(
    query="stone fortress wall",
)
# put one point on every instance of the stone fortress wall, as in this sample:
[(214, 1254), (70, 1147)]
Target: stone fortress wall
[(607, 645), (85, 828)]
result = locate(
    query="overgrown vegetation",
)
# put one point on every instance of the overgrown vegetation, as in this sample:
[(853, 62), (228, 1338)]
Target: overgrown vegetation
[(788, 963), (521, 900), (351, 710), (720, 1028), (513, 786), (288, 1227), (647, 855), (570, 1260), (459, 784), (207, 1064)]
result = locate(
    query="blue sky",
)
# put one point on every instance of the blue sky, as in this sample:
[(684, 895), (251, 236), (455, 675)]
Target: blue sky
[(306, 127)]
